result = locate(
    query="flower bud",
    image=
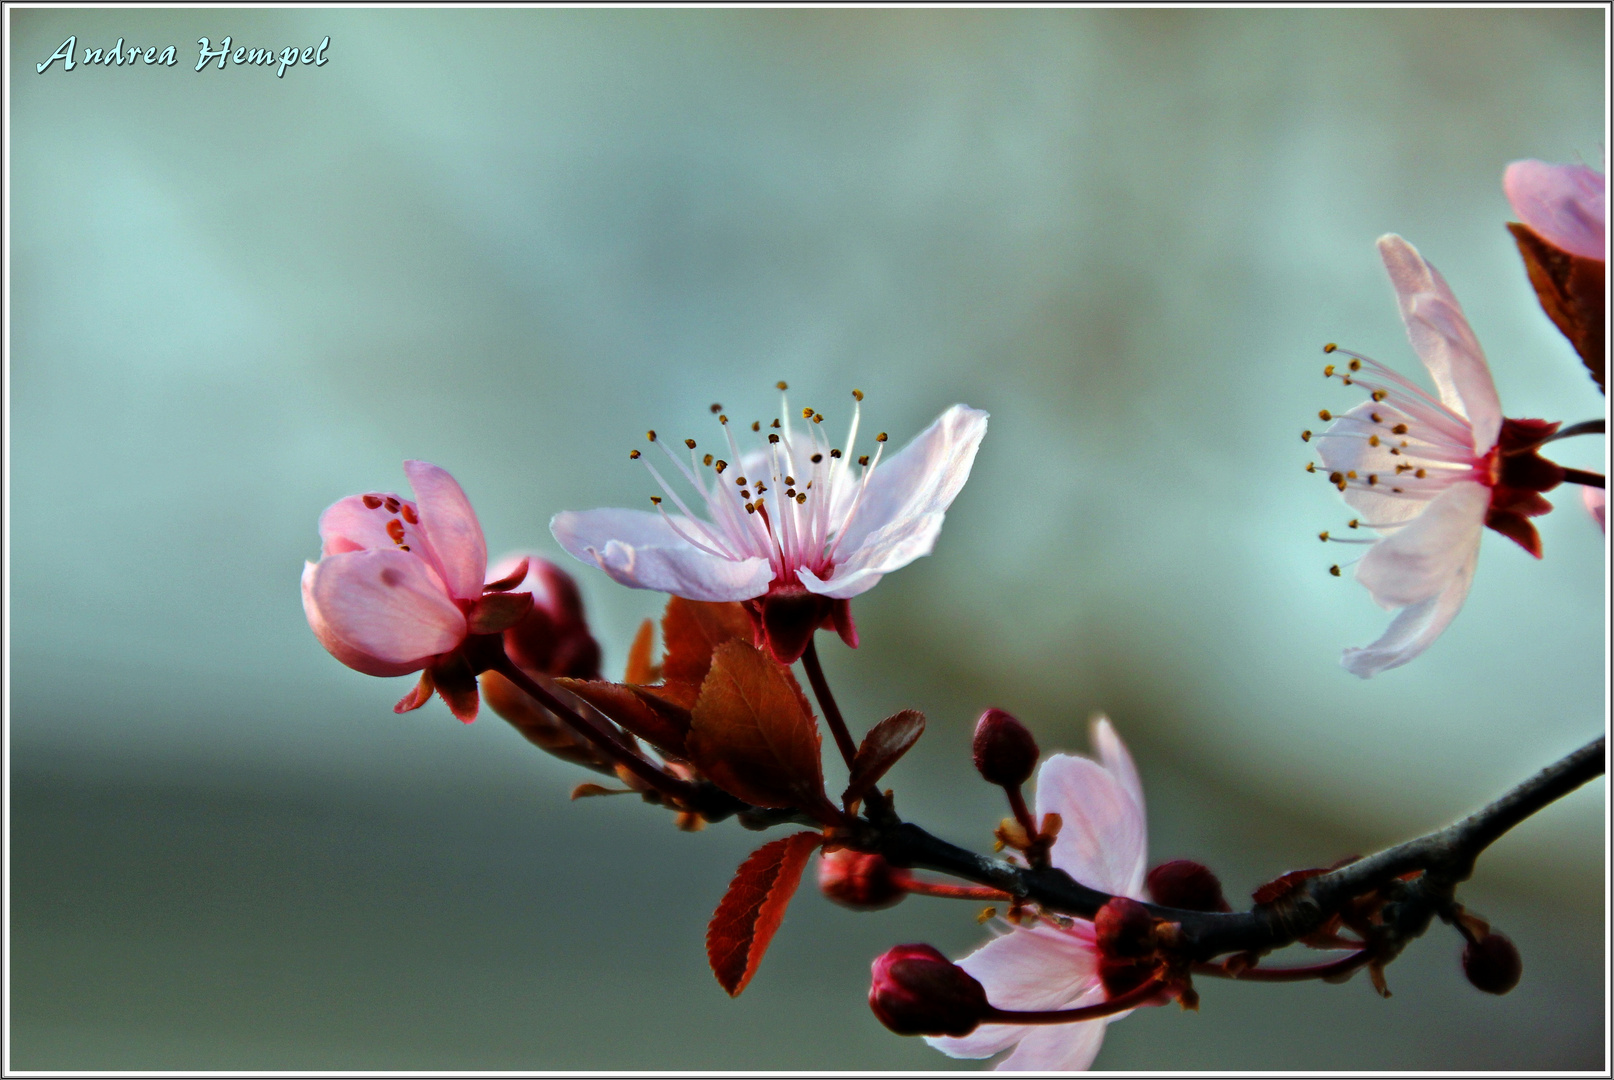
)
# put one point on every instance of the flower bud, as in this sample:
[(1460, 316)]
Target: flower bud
[(860, 881), (1005, 752), (1492, 963), (553, 638), (1183, 883), (916, 990), (1124, 929)]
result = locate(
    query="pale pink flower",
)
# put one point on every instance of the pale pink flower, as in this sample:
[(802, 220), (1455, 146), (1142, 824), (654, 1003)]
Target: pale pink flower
[(1596, 503), (1564, 204), (399, 588), (792, 526), (1102, 844), (1429, 472)]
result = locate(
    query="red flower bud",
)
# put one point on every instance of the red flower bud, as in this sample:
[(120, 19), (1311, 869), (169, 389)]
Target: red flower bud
[(553, 638), (859, 881), (1005, 752), (1124, 929), (916, 990), (1492, 963), (1183, 883)]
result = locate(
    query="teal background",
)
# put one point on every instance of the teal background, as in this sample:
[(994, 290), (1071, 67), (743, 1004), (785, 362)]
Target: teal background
[(508, 241)]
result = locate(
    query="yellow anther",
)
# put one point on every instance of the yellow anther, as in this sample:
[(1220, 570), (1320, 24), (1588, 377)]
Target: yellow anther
[(880, 437), (801, 498), (782, 385), (1420, 474), (707, 461), (790, 480), (651, 434), (1377, 419), (1350, 474), (1336, 478), (1373, 440), (716, 407), (655, 500), (749, 509), (790, 493), (818, 418), (987, 914), (756, 425), (1311, 466), (1399, 429), (1323, 535), (1354, 523), (1330, 347), (806, 414), (1355, 364), (863, 459), (1346, 379), (772, 437), (1324, 415), (816, 458), (690, 443), (857, 395), (720, 465), (722, 418), (1380, 395), (1328, 372), (1340, 485), (1305, 436), (1372, 478), (1334, 570), (633, 455), (834, 453)]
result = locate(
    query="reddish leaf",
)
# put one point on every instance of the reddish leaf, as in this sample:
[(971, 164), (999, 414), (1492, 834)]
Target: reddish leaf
[(754, 906), (882, 747), (660, 728), (640, 670), (754, 734), (691, 631), (1282, 886), (497, 612), (1570, 289), (538, 725)]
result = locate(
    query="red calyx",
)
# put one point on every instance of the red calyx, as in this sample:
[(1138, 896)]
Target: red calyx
[(1183, 883), (784, 621), (915, 990), (1005, 752), (860, 881), (553, 638), (1519, 473), (1124, 929)]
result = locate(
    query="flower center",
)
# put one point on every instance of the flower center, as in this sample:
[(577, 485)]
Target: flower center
[(791, 498), (399, 512)]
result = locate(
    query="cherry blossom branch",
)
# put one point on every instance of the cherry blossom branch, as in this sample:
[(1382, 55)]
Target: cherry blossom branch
[(1436, 862), (1585, 427), (826, 702), (1138, 995)]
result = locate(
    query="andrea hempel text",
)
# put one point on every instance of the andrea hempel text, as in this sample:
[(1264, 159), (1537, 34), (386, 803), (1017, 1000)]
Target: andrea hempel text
[(168, 56)]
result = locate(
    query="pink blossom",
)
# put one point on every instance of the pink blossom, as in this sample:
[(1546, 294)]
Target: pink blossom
[(399, 588), (1564, 204), (1102, 844), (1596, 503), (792, 527), (1428, 472)]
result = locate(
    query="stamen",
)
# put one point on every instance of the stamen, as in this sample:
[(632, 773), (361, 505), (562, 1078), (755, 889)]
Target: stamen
[(633, 455), (1311, 466), (863, 459), (720, 465), (781, 386), (707, 461), (756, 425), (651, 434), (835, 454), (690, 443), (373, 502), (1324, 415), (1305, 436), (1330, 347), (716, 408), (409, 514), (392, 504)]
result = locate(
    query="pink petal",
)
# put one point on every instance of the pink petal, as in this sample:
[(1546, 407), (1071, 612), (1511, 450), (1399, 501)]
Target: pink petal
[(923, 478), (1596, 501), (451, 528), (642, 551), (339, 647), (1113, 755), (892, 548), (1565, 204), (1443, 340), (351, 524), (1414, 629), (383, 605), (1419, 560), (1103, 842), (1060, 1047), (1035, 968)]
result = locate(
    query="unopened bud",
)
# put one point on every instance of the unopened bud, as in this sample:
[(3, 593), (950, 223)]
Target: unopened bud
[(1124, 929), (1005, 752), (553, 638), (1492, 963), (1183, 883), (916, 990), (858, 880)]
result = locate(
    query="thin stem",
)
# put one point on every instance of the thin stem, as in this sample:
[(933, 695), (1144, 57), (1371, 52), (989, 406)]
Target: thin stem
[(1138, 995), (951, 891), (602, 740), (1581, 476), (826, 702), (1585, 427), (1342, 966), (1022, 814)]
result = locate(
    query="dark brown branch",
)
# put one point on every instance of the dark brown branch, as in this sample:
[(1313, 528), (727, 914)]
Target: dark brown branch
[(1581, 476), (1445, 857), (826, 702)]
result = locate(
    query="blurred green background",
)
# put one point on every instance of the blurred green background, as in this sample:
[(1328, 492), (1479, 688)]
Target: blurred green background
[(508, 241)]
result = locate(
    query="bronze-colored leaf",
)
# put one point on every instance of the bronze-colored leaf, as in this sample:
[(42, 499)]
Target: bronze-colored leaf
[(691, 631), (660, 728), (1570, 288), (538, 725), (640, 670), (881, 748), (754, 906), (753, 733)]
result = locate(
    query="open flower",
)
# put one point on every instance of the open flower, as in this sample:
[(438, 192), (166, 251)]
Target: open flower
[(792, 527), (1429, 472), (1102, 843), (399, 588)]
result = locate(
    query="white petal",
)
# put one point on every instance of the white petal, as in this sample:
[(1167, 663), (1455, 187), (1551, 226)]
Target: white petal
[(1103, 842), (1420, 559), (641, 550), (922, 478), (1443, 340), (1343, 448), (1113, 755), (1414, 629), (892, 548), (1564, 203), (1059, 1047)]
